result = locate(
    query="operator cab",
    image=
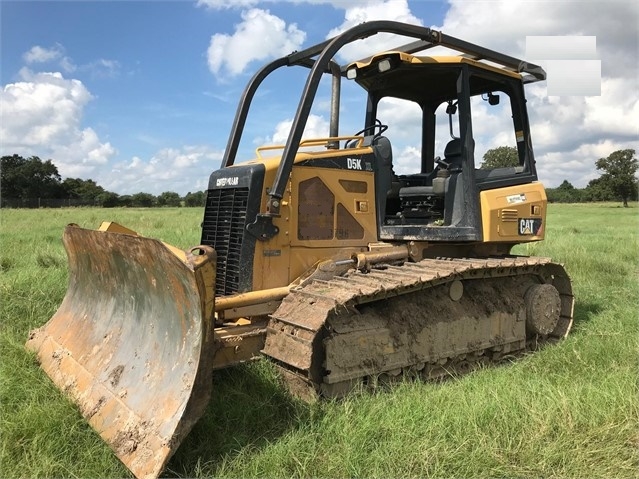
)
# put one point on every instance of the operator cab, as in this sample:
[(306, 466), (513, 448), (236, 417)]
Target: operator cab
[(453, 107)]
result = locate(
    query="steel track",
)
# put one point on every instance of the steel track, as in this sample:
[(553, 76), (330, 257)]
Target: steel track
[(430, 318)]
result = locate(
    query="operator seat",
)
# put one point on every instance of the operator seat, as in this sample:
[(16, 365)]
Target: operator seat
[(453, 155), (411, 196)]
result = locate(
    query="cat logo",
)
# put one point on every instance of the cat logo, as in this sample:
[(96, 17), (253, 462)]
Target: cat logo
[(354, 163), (530, 226)]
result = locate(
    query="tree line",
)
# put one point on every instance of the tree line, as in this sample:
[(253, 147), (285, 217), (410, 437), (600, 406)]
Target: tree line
[(31, 183), (616, 183)]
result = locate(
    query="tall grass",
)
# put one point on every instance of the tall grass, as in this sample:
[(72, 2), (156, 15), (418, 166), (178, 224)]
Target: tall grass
[(570, 410)]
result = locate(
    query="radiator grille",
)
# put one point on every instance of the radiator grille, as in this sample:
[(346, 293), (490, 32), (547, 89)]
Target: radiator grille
[(223, 229)]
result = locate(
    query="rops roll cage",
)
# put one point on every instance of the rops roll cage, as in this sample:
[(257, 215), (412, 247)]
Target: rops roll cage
[(427, 38)]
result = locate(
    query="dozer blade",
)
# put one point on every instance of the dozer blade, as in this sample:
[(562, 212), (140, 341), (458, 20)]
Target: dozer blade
[(132, 342)]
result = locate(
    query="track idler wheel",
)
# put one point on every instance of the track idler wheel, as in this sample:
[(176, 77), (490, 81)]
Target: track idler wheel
[(543, 307)]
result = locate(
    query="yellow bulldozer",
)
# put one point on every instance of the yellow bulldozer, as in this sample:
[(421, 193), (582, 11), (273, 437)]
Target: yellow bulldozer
[(341, 259)]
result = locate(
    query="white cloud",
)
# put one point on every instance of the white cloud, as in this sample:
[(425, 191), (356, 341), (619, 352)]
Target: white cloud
[(99, 68), (45, 112), (359, 12), (262, 35), (259, 36), (39, 54), (407, 160), (226, 4), (84, 156), (67, 65), (229, 4), (403, 118), (316, 127), (616, 111), (499, 25), (355, 12), (578, 165), (170, 169), (102, 68)]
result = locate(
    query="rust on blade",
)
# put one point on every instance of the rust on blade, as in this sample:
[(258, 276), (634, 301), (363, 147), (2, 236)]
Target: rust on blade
[(132, 343)]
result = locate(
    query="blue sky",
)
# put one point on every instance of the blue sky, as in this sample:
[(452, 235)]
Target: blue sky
[(140, 96)]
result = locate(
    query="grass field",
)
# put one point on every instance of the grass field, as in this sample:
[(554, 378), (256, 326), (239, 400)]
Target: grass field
[(570, 410)]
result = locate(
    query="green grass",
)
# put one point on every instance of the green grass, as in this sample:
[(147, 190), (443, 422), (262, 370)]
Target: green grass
[(570, 410)]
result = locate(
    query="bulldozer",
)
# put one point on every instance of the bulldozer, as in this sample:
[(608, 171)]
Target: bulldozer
[(342, 259)]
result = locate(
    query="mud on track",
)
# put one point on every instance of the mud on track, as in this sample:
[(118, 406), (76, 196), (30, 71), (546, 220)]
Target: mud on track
[(335, 335)]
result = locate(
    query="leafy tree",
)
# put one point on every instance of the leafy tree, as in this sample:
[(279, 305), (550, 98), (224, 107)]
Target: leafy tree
[(86, 190), (144, 200), (599, 190), (500, 157), (195, 199), (566, 186), (29, 178), (108, 199), (125, 200), (169, 198), (565, 193), (634, 194), (619, 170)]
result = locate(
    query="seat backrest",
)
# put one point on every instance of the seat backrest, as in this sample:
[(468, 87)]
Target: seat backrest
[(453, 148), (452, 154)]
